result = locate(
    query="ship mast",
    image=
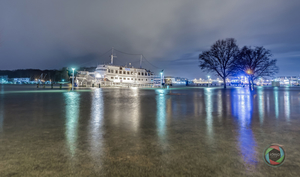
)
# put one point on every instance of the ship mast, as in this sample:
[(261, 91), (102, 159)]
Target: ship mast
[(112, 56), (141, 60)]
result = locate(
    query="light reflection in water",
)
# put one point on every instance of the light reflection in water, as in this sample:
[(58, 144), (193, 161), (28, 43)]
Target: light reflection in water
[(242, 110), (72, 100), (209, 109), (161, 113), (287, 104), (276, 102), (96, 122), (136, 110), (261, 105), (220, 106)]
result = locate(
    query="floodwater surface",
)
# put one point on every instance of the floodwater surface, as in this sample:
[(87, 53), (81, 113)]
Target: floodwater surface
[(147, 132)]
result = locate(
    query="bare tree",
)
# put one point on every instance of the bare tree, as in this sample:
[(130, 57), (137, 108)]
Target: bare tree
[(257, 63), (221, 58)]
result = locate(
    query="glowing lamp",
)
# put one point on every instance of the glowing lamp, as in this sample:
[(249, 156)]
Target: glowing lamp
[(98, 75)]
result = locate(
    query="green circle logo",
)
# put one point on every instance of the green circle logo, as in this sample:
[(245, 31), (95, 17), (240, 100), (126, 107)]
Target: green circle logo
[(274, 155)]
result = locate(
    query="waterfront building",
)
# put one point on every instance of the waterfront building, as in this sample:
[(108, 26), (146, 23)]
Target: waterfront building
[(20, 80), (3, 79), (175, 81), (288, 80)]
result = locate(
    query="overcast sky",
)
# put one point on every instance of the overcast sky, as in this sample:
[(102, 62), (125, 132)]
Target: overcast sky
[(50, 34)]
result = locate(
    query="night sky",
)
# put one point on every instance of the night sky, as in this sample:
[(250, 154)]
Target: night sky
[(51, 34)]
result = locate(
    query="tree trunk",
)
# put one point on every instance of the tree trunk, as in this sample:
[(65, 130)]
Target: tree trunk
[(224, 81), (249, 83)]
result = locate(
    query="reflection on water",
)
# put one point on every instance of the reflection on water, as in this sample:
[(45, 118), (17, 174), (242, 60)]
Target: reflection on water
[(72, 100), (261, 104), (220, 105), (287, 104), (135, 109), (209, 109), (276, 102), (242, 110), (161, 112), (116, 130), (96, 122)]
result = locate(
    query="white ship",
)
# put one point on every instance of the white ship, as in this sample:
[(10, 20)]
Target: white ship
[(113, 75)]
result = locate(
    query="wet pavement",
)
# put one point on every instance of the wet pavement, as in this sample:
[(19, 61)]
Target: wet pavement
[(147, 132)]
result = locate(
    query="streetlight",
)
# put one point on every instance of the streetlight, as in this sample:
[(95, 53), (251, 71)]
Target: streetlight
[(249, 71), (73, 79), (161, 77)]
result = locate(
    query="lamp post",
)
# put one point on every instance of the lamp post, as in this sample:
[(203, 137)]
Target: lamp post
[(161, 77), (73, 79), (249, 72), (208, 80)]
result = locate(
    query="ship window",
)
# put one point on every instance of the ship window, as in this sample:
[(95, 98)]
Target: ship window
[(127, 78), (139, 79), (124, 72), (120, 78), (142, 74), (148, 74), (112, 71), (142, 79), (116, 71), (146, 79), (108, 70), (116, 77), (131, 78), (131, 72), (120, 72), (139, 73), (127, 72), (135, 79), (112, 77)]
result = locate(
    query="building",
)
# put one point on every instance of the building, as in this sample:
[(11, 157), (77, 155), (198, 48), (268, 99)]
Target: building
[(3, 79), (288, 80), (175, 81), (20, 80)]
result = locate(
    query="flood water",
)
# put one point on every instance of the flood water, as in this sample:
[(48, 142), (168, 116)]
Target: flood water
[(147, 132)]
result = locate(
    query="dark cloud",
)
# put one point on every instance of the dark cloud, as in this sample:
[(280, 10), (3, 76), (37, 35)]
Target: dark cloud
[(170, 33)]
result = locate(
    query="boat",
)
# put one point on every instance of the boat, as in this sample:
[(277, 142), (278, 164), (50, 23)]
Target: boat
[(115, 75)]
